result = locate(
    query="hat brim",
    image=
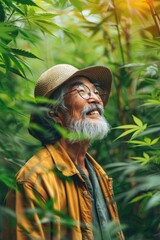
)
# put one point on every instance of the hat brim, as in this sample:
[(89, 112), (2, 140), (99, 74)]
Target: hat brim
[(97, 74)]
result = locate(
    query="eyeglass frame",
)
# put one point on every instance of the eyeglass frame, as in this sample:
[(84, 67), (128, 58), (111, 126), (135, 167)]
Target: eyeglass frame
[(89, 90)]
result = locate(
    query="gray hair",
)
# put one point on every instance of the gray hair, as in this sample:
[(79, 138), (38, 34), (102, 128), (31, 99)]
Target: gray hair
[(42, 125)]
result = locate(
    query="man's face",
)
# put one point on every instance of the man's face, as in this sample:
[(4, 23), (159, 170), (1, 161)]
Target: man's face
[(76, 104), (84, 115)]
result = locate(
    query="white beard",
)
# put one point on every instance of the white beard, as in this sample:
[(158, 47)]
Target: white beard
[(87, 129)]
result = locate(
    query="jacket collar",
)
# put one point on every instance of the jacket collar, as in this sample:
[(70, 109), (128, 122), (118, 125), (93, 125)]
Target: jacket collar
[(62, 160), (64, 163)]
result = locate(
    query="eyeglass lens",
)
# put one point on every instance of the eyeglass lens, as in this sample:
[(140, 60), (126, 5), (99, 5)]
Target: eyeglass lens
[(85, 92)]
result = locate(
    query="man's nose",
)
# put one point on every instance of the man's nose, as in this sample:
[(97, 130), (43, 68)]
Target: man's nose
[(95, 98)]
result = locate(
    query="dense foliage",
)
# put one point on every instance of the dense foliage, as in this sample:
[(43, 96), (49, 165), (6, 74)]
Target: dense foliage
[(123, 35)]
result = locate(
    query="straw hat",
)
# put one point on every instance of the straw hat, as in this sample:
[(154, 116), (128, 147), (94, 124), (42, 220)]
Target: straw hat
[(55, 76)]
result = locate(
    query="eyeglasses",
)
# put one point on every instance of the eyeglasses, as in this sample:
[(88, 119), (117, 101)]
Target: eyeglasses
[(85, 92)]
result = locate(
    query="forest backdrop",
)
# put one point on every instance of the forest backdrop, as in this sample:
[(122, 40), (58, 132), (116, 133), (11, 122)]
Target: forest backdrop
[(123, 35)]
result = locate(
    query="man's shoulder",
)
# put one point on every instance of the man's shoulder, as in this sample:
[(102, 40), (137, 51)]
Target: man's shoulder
[(38, 164)]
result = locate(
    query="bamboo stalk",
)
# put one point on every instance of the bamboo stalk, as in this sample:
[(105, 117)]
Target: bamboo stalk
[(119, 35), (155, 16)]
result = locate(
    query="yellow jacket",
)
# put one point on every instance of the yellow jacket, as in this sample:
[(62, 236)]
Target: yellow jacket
[(50, 180)]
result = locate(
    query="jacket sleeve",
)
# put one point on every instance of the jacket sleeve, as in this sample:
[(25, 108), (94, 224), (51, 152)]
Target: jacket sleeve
[(30, 221)]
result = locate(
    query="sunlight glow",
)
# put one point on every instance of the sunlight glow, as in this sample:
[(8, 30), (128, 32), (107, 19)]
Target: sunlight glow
[(139, 5)]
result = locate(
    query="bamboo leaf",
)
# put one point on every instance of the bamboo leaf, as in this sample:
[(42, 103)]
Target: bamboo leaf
[(154, 200), (47, 23), (127, 126), (77, 4), (152, 43), (25, 65), (137, 121), (17, 9), (141, 160), (14, 70), (142, 196), (136, 133), (151, 102), (4, 97), (133, 65), (27, 2), (7, 62), (125, 133), (7, 179), (147, 140), (43, 28), (17, 64), (24, 53), (2, 13), (150, 131), (154, 141), (6, 31), (146, 156), (139, 143), (31, 37)]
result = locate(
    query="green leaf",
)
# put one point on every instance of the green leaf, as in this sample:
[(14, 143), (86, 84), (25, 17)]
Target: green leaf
[(142, 196), (154, 141), (45, 100), (24, 53), (13, 70), (143, 160), (151, 102), (2, 13), (138, 143), (27, 2), (136, 133), (17, 9), (125, 133), (77, 4), (154, 43), (29, 36), (16, 71), (154, 200), (134, 65), (127, 126), (4, 97), (147, 140), (6, 31), (137, 121), (141, 129), (43, 28), (150, 131), (66, 134), (133, 128), (7, 179), (7, 62), (146, 156), (17, 64), (47, 23)]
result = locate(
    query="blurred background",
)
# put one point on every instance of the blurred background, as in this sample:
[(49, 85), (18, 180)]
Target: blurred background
[(123, 35)]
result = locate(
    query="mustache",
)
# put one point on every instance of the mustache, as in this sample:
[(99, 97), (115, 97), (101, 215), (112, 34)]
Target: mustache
[(92, 107)]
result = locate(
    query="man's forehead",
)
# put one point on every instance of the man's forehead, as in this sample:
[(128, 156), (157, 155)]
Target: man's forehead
[(80, 80)]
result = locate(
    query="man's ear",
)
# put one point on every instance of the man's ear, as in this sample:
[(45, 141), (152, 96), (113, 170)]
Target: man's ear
[(56, 116)]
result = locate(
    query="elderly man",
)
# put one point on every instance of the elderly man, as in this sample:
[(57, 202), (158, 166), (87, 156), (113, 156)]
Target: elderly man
[(62, 179)]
